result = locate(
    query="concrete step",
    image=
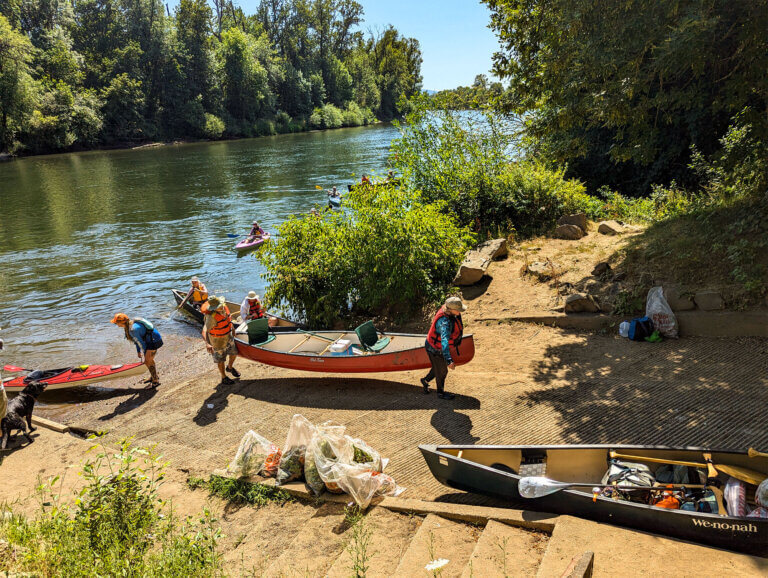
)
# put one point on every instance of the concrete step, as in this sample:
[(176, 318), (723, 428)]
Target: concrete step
[(315, 548), (439, 538), (619, 551), (389, 535), (503, 550)]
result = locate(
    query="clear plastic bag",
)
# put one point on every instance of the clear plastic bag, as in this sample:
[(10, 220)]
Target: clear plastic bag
[(363, 484), (252, 455), (365, 454), (292, 461), (657, 308), (327, 446), (761, 499), (735, 497)]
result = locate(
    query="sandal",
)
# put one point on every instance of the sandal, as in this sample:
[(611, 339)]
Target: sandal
[(152, 385)]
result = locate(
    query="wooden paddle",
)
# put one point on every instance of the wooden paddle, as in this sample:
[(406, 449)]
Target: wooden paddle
[(183, 302), (753, 453), (738, 472)]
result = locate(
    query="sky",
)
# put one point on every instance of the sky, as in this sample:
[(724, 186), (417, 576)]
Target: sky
[(456, 43)]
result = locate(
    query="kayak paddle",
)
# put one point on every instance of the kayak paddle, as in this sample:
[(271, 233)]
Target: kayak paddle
[(538, 487), (14, 369)]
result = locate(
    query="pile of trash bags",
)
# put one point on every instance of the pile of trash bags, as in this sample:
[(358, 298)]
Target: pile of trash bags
[(324, 456)]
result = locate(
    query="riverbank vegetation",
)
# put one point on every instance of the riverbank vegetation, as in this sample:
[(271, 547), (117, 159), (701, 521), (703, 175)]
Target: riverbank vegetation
[(120, 72), (667, 105), (389, 252), (115, 526)]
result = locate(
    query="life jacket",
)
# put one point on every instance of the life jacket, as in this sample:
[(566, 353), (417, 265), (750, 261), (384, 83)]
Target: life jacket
[(199, 295), (223, 323), (457, 330), (254, 310)]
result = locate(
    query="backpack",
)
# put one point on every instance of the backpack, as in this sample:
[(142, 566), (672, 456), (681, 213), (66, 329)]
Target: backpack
[(152, 337), (640, 328)]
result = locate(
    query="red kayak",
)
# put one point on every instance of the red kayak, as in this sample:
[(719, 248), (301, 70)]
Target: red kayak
[(340, 352), (74, 376)]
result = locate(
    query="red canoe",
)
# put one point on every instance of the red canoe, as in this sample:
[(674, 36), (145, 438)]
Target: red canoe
[(75, 376), (313, 352)]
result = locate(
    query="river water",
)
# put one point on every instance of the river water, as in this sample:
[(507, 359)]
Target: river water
[(86, 235)]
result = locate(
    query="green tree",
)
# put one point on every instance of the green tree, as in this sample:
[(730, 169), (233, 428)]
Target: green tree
[(621, 91), (17, 89), (397, 61), (124, 109)]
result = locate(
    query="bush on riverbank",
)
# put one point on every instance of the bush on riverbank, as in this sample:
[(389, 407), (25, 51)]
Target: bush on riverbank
[(117, 526), (387, 251)]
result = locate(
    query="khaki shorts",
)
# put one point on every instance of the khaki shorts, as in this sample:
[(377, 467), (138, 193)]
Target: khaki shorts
[(220, 356)]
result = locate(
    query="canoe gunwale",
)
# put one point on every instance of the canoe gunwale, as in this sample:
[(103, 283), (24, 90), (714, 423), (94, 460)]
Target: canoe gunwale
[(701, 527)]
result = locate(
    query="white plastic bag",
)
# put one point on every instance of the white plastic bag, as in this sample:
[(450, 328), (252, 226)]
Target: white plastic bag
[(657, 308), (292, 461), (363, 484), (252, 455), (365, 454), (327, 447)]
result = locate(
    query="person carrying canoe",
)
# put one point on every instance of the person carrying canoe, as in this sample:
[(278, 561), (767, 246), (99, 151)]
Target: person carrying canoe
[(219, 336), (446, 330), (198, 293), (146, 338)]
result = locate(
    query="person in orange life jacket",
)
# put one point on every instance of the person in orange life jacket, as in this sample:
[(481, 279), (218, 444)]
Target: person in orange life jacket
[(446, 330), (198, 292), (147, 340), (365, 180), (219, 336), (256, 231), (251, 308)]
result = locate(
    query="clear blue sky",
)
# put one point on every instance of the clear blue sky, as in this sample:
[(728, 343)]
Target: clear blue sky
[(455, 40)]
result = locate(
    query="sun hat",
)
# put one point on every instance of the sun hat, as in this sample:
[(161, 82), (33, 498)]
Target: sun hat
[(455, 304), (194, 279), (252, 295), (215, 303), (120, 319)]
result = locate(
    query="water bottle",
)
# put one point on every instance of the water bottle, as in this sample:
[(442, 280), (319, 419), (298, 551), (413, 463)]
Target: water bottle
[(624, 329)]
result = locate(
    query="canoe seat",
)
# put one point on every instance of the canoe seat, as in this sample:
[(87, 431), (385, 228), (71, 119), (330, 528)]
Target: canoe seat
[(369, 337), (258, 332)]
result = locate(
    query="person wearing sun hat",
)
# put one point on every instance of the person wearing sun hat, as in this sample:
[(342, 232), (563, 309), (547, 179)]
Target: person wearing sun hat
[(219, 335), (146, 338), (446, 330), (251, 307)]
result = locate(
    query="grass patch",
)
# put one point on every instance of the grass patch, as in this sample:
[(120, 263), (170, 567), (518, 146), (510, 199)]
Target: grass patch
[(240, 491), (719, 247), (115, 526)]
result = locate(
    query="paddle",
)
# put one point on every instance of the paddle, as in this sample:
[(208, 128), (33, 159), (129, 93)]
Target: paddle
[(323, 337), (743, 474), (753, 453), (538, 487), (183, 302), (14, 369)]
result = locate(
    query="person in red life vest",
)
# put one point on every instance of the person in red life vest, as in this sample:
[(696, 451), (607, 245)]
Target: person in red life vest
[(251, 308), (365, 180), (219, 335), (446, 330)]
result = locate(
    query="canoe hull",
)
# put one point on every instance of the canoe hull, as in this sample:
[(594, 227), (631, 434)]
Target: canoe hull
[(94, 374), (404, 360), (234, 309), (741, 534)]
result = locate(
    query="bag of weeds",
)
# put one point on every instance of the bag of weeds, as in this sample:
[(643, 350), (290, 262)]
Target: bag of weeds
[(365, 454), (363, 484), (292, 461), (327, 444), (252, 454), (657, 308)]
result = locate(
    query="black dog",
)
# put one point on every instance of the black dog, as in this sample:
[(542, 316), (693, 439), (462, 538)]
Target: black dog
[(19, 409)]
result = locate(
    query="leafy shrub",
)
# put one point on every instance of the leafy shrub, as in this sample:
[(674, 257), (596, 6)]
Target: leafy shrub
[(353, 116), (117, 526), (328, 116), (265, 127), (213, 127), (387, 251)]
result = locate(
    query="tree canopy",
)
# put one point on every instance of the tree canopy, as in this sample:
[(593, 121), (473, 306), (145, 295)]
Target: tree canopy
[(79, 74), (623, 92)]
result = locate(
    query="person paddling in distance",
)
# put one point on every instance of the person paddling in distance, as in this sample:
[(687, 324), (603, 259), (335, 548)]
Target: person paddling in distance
[(147, 340), (446, 331), (219, 336), (251, 309), (256, 232)]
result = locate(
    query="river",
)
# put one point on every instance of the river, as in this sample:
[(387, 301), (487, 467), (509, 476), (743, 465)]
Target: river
[(86, 235)]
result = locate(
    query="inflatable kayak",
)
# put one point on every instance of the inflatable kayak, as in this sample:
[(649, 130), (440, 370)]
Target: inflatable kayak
[(334, 202), (74, 376), (250, 243)]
